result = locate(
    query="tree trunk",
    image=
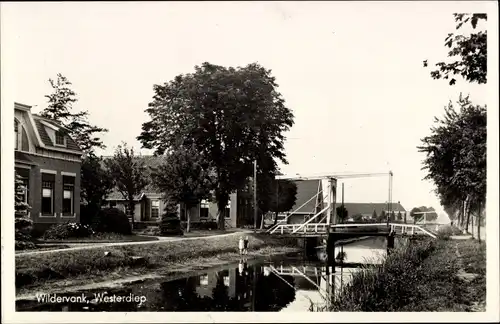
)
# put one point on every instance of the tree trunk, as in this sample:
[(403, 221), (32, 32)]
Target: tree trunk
[(479, 223), (468, 219), (262, 222), (222, 200), (276, 219), (461, 215), (188, 218), (131, 207)]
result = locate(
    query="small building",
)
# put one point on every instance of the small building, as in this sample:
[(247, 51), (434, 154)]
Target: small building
[(305, 207), (366, 209), (49, 162), (150, 205)]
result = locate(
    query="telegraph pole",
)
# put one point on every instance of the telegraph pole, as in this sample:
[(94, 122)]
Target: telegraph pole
[(343, 203), (255, 195)]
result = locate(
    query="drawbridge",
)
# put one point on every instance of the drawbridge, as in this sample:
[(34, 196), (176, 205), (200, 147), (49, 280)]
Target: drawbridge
[(328, 282), (324, 219)]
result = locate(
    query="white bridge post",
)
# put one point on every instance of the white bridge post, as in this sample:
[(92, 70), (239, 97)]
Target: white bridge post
[(332, 195)]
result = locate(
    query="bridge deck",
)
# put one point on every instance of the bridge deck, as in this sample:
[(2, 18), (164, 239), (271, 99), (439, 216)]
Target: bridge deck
[(320, 229)]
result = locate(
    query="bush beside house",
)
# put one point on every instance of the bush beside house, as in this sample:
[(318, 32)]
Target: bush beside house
[(112, 220)]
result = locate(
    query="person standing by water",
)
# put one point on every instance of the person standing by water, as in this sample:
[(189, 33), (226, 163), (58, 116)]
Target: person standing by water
[(241, 245), (245, 245)]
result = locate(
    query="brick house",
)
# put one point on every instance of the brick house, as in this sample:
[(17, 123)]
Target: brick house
[(49, 163), (150, 204)]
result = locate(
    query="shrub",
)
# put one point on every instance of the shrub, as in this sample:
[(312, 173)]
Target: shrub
[(67, 230), (112, 220), (23, 223), (87, 214), (212, 225), (445, 232), (170, 224), (388, 287)]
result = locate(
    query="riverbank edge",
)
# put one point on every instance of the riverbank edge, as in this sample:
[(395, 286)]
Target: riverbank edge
[(50, 271), (186, 269)]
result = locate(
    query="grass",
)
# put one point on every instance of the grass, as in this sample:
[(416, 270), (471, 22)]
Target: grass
[(422, 276), (445, 232), (102, 238), (36, 269)]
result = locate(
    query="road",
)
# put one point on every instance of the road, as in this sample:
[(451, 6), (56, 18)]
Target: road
[(87, 246)]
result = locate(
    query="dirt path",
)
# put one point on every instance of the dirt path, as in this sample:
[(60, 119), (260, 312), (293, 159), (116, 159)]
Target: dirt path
[(98, 245)]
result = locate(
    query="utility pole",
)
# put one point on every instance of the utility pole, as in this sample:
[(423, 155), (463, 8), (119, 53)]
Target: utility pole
[(255, 195), (343, 210)]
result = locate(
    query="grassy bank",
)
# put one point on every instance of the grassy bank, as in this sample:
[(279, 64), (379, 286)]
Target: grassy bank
[(37, 269), (427, 275)]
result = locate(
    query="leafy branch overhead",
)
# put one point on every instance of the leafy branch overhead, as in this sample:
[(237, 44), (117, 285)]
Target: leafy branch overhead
[(60, 104), (456, 154), (469, 52), (229, 116), (183, 177)]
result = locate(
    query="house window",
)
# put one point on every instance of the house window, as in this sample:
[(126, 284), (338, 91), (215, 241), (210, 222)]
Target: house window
[(47, 197), (226, 281), (60, 138), (204, 209), (68, 195), (16, 134), (155, 208)]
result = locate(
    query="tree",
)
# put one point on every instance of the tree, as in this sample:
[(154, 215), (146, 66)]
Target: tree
[(285, 197), (183, 177), (414, 213), (400, 217), (96, 184), (77, 126), (23, 223), (431, 214), (232, 116), (374, 215), (383, 217), (456, 156), (129, 174), (357, 218), (471, 51), (342, 213)]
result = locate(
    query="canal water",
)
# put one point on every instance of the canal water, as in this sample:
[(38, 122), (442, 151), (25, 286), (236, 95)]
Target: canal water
[(285, 284)]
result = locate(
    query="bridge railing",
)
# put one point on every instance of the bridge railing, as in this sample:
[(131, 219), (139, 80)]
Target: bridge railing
[(411, 228), (272, 228), (321, 228)]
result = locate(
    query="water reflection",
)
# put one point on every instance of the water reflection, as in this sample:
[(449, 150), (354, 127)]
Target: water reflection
[(290, 285)]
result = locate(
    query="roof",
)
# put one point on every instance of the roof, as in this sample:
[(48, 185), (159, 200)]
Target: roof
[(21, 157), (116, 195), (306, 189), (368, 208), (70, 143)]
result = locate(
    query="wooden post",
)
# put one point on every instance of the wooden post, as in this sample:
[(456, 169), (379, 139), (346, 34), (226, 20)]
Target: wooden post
[(390, 242), (330, 249)]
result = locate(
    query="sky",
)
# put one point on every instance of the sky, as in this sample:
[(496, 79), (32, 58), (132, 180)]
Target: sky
[(351, 72)]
